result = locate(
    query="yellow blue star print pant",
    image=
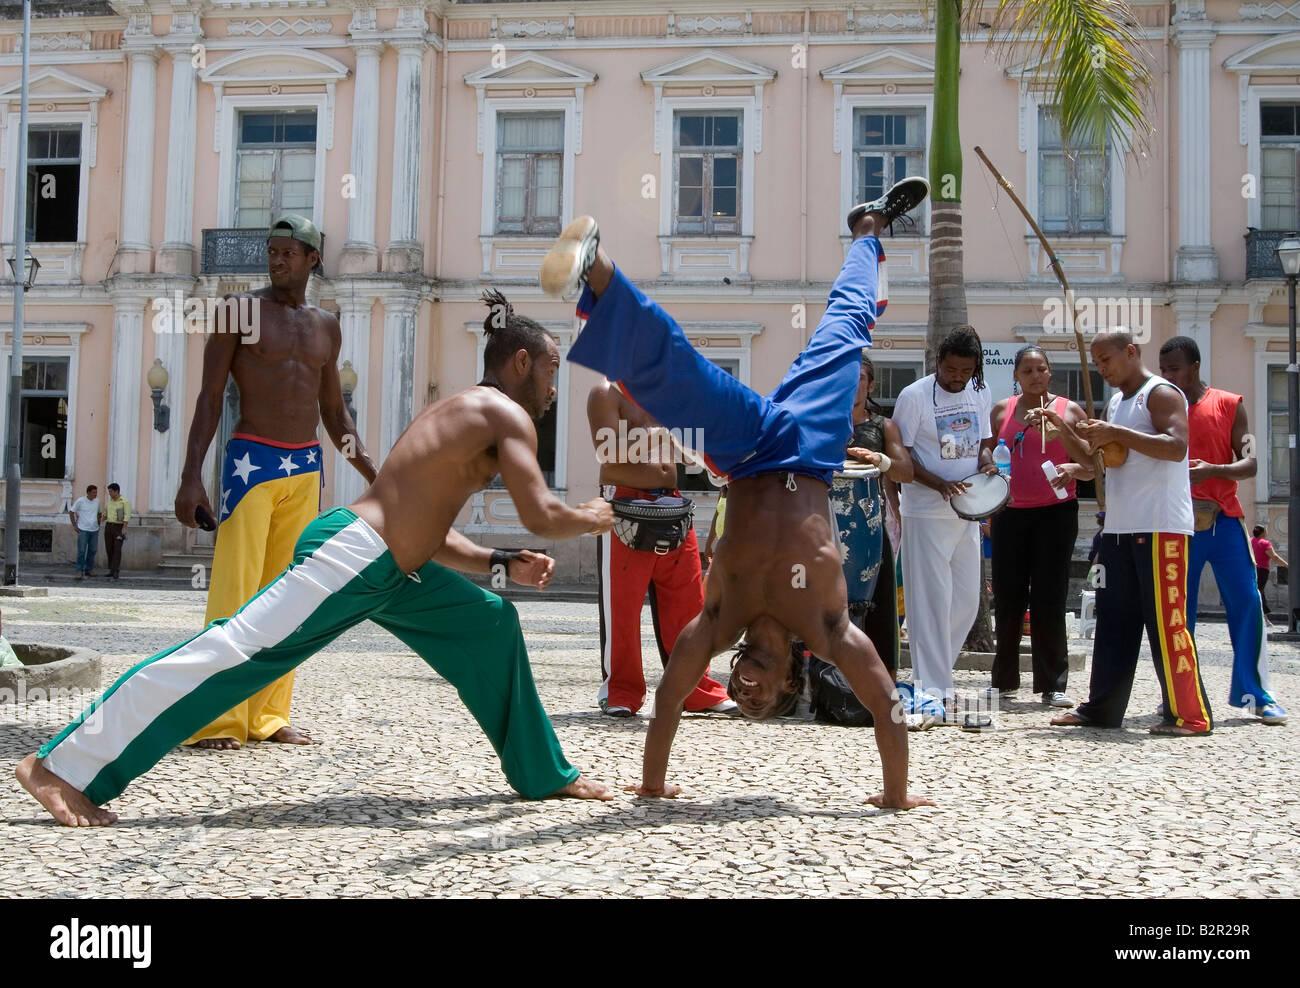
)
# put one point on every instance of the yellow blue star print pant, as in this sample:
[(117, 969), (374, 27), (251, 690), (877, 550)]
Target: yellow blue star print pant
[(270, 492)]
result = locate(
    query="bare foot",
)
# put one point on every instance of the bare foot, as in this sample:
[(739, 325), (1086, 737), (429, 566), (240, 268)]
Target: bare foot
[(290, 735), (906, 803), (583, 788), (667, 791), (600, 272), (1069, 720), (217, 744), (67, 805), (1174, 731)]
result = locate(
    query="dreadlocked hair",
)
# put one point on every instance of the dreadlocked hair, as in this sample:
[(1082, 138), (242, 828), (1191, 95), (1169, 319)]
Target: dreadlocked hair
[(785, 702), (508, 332), (964, 342)]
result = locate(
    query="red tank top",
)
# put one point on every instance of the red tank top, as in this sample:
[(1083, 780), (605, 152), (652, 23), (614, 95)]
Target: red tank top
[(1209, 438), (1029, 486)]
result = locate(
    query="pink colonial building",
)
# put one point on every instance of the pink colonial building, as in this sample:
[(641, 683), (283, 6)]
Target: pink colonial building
[(440, 145)]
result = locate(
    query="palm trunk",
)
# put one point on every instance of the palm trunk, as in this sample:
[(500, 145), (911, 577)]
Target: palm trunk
[(947, 282)]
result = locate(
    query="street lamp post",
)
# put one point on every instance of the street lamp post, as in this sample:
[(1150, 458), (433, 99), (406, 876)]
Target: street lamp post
[(1288, 255), (13, 461)]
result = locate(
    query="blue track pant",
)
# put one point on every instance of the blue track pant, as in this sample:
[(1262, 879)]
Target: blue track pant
[(1226, 548), (803, 426)]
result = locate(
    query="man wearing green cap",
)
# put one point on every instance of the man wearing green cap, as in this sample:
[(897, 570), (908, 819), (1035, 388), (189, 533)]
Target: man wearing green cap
[(283, 354)]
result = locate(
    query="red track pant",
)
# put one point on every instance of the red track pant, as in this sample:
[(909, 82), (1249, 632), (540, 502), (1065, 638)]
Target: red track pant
[(676, 597)]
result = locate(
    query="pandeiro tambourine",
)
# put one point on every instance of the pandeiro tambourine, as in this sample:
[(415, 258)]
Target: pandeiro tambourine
[(985, 496)]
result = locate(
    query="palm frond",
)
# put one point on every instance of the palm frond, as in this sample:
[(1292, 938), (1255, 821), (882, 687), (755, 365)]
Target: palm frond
[(1092, 64)]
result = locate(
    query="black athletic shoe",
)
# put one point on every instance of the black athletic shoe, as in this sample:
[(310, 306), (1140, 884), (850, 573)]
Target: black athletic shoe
[(901, 198)]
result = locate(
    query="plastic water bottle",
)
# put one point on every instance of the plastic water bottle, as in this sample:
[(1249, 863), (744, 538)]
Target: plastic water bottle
[(1002, 458)]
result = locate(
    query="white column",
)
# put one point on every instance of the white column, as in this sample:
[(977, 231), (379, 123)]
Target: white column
[(167, 449), (126, 395), (1194, 306), (178, 224), (405, 251), (137, 186), (400, 307), (1193, 35), (354, 321), (365, 149)]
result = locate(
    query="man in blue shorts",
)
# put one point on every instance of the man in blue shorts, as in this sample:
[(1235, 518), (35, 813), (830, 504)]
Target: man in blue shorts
[(776, 573)]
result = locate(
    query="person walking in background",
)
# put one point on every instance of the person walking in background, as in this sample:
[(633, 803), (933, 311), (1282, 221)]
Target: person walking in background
[(1033, 539), (85, 515), (117, 512), (1263, 551), (1217, 430), (1146, 548)]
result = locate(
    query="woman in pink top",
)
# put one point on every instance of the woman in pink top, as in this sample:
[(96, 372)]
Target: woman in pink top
[(1033, 539), (1263, 551)]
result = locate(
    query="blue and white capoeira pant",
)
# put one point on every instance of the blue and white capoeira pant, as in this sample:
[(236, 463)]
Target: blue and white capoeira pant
[(1226, 548), (801, 427)]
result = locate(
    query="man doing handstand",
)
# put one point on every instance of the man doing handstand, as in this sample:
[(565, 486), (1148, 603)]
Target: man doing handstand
[(777, 571), (384, 558)]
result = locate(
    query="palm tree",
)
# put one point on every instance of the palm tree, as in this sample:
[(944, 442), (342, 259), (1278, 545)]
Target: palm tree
[(1093, 67)]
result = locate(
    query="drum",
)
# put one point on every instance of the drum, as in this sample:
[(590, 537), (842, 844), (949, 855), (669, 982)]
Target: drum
[(985, 497), (859, 514)]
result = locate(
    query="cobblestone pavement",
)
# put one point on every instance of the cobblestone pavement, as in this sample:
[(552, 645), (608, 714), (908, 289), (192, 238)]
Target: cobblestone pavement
[(404, 796)]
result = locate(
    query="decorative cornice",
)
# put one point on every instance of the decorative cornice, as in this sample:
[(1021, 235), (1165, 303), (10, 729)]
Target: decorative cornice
[(280, 27), (68, 41), (1274, 11)]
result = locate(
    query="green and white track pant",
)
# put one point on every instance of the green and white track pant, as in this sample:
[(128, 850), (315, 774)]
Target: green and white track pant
[(342, 573)]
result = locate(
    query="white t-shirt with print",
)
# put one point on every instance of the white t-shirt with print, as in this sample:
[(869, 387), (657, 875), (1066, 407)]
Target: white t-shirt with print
[(943, 431), (87, 512)]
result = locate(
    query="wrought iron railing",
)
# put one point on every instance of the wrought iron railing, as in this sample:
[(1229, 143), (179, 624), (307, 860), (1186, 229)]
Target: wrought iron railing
[(235, 251), (1261, 261)]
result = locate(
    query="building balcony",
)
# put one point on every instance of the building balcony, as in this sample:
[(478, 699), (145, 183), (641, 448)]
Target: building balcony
[(1261, 261), (235, 251)]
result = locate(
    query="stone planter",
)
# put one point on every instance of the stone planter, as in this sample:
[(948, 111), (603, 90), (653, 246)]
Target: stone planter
[(46, 667)]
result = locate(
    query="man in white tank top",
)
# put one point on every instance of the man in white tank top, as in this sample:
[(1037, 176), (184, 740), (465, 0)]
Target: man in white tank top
[(1145, 547)]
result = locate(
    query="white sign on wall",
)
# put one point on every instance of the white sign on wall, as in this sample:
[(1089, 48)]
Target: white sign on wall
[(999, 360)]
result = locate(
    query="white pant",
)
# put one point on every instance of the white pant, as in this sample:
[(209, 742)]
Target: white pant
[(941, 586)]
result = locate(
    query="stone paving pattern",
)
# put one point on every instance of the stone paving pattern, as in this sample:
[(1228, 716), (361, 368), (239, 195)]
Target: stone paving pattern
[(404, 797)]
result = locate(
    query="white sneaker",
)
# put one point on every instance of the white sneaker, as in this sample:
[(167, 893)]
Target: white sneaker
[(1057, 699), (566, 264), (727, 706)]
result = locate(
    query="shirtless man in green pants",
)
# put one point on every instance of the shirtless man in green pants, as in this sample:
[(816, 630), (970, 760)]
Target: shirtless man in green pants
[(386, 558)]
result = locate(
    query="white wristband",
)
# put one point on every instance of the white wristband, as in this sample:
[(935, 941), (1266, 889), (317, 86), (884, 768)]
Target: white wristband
[(885, 463)]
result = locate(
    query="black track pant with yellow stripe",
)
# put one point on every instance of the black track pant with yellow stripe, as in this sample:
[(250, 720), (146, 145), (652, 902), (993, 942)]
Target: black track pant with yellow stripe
[(1145, 585)]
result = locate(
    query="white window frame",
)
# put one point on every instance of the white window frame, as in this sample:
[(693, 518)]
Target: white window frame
[(1030, 104), (492, 105), (850, 103), (881, 357), (1254, 143), (70, 350), (228, 111), (564, 331), (80, 118), (1265, 362), (665, 142)]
